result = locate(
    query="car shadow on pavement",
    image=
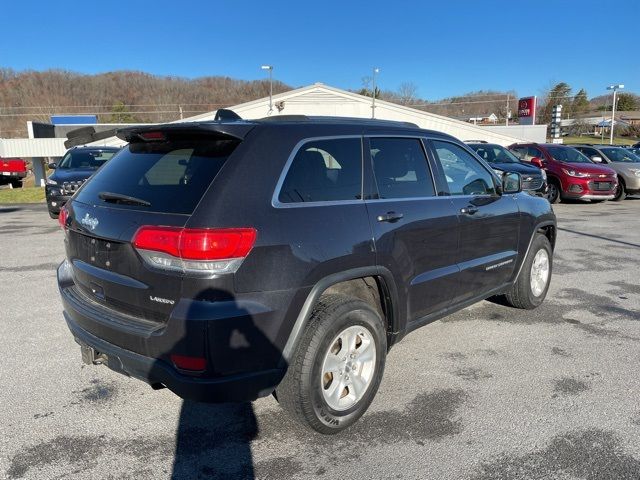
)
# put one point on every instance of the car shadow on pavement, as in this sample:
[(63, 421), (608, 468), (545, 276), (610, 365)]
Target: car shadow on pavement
[(214, 439)]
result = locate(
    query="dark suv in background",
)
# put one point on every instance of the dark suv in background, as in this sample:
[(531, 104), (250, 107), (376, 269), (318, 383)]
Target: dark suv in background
[(534, 179), (77, 165), (228, 260), (570, 175), (625, 163)]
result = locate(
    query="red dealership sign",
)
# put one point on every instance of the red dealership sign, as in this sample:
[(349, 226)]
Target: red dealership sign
[(527, 110)]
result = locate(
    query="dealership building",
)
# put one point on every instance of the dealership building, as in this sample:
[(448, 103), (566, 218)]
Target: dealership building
[(47, 141)]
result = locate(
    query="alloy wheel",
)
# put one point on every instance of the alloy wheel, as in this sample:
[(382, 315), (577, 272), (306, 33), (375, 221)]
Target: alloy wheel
[(348, 367)]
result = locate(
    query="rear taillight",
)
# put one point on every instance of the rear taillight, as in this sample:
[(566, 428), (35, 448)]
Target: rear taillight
[(62, 218), (194, 251)]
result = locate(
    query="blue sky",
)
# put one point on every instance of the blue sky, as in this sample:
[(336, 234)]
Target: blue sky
[(446, 48)]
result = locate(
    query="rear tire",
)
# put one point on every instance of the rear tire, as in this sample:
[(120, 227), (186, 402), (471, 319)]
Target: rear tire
[(16, 183), (337, 366), (532, 284), (53, 215)]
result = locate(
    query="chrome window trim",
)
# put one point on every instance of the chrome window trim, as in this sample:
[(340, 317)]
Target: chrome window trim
[(276, 203)]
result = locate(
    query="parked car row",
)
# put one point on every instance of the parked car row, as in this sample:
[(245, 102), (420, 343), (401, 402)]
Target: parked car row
[(584, 172)]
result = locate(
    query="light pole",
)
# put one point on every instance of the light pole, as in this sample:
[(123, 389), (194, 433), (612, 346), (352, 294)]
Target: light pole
[(270, 68), (373, 94), (615, 89)]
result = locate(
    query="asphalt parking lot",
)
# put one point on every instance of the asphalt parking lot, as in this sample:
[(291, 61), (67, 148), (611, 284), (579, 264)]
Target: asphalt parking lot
[(488, 393)]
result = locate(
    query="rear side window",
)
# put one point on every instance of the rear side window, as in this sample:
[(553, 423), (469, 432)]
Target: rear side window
[(401, 169), (323, 171), (172, 176), (464, 174)]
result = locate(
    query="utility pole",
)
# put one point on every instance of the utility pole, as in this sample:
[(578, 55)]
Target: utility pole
[(180, 107), (506, 115), (613, 108), (373, 93), (270, 68)]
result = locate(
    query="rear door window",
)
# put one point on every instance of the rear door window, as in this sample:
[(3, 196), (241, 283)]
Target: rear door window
[(172, 176), (324, 171), (401, 169)]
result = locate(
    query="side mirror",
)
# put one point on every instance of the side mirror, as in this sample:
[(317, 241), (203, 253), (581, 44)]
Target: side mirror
[(52, 166), (597, 158), (511, 182), (537, 161)]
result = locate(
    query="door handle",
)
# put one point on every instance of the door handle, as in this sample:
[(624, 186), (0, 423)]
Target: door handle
[(390, 217), (469, 210)]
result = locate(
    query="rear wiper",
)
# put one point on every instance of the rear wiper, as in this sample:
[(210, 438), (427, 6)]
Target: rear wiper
[(120, 198)]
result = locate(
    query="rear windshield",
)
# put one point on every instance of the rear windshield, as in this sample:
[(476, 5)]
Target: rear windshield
[(85, 158), (171, 177)]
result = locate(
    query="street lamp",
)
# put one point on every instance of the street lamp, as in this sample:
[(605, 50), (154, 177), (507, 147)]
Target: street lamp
[(615, 89), (373, 96), (270, 68)]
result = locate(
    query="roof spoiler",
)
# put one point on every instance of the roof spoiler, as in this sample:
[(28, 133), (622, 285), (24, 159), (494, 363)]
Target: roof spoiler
[(220, 130)]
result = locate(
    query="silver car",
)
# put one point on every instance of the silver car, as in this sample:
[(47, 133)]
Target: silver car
[(623, 161)]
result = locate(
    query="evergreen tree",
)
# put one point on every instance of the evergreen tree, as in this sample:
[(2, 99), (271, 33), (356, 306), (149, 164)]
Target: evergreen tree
[(580, 102)]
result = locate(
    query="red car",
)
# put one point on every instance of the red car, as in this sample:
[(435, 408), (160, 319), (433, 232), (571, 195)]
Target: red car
[(570, 174), (13, 171)]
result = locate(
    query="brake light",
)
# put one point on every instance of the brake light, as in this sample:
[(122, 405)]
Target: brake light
[(62, 217), (196, 364), (205, 251), (151, 136)]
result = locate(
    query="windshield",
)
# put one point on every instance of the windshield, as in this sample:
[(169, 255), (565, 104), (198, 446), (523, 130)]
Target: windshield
[(167, 177), (567, 155), (494, 153), (85, 158), (620, 155)]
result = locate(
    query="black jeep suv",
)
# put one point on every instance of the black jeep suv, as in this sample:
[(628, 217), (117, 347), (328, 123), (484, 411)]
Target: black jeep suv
[(232, 259), (77, 165)]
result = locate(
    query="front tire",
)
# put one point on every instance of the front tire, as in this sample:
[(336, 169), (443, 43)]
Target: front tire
[(621, 192), (532, 284), (337, 367), (553, 191)]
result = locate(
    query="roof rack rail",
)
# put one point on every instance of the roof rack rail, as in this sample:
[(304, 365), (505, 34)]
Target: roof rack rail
[(475, 141)]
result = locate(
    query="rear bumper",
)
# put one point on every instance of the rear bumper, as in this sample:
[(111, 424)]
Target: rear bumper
[(13, 175), (234, 388), (242, 363)]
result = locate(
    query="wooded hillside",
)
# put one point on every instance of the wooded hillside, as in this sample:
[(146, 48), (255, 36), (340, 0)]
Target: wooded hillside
[(116, 97)]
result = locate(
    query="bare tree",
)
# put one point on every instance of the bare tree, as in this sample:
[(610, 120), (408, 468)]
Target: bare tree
[(407, 92)]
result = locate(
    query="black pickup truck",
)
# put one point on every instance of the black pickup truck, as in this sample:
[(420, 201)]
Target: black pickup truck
[(233, 259)]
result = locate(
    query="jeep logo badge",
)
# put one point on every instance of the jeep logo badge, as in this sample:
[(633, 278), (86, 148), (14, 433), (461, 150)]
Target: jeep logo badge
[(88, 221)]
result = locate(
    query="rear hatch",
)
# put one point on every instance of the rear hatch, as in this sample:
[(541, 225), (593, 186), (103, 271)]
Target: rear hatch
[(157, 180)]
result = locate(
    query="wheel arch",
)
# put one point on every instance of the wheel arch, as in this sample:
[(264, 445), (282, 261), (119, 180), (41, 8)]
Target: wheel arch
[(546, 228), (374, 285)]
